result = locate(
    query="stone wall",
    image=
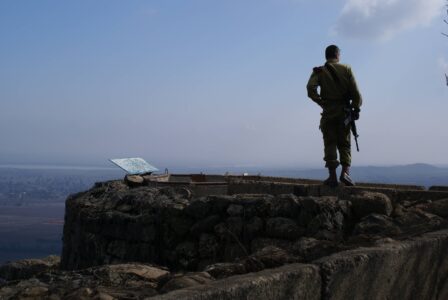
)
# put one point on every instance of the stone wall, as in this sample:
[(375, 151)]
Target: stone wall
[(112, 223)]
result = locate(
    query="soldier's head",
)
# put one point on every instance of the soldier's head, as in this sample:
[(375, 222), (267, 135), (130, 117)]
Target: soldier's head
[(332, 52)]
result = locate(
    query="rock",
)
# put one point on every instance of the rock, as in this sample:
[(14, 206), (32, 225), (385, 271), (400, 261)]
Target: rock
[(329, 235), (283, 228), (187, 280), (272, 257), (368, 203), (221, 231), (199, 208), (25, 289), (253, 228), (383, 241), (82, 293), (439, 207), (184, 193), (125, 251), (222, 270), (134, 180), (122, 273), (27, 268), (180, 225), (35, 291), (260, 243), (234, 226), (126, 281), (233, 251), (254, 205), (235, 210), (310, 248), (219, 203), (104, 296), (208, 246), (324, 213), (377, 224), (186, 254), (309, 207), (252, 264), (416, 221), (206, 225), (398, 211), (326, 221), (284, 206)]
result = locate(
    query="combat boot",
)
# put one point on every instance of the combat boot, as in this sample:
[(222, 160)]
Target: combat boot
[(345, 176), (332, 180)]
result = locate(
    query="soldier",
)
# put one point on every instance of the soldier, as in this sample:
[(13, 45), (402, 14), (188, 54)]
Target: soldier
[(338, 90)]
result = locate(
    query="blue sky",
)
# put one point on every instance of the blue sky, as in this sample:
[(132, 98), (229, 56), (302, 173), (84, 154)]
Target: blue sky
[(216, 83)]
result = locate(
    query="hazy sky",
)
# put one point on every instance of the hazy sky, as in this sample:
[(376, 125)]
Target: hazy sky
[(216, 83)]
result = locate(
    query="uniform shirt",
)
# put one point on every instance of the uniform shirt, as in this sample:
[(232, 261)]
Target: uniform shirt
[(333, 95)]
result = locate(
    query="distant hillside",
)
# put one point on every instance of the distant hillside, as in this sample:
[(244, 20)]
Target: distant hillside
[(21, 186)]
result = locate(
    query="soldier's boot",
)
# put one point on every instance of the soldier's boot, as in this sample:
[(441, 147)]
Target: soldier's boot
[(345, 176), (332, 180)]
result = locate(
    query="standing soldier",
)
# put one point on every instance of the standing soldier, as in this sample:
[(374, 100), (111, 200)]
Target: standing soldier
[(338, 92)]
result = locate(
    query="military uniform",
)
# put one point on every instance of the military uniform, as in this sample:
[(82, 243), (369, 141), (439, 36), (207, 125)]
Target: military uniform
[(333, 98)]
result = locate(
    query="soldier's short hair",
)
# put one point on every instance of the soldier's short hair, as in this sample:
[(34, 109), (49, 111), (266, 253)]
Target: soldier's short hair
[(332, 51)]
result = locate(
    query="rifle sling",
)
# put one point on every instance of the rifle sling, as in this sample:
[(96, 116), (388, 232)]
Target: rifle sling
[(333, 73), (336, 79)]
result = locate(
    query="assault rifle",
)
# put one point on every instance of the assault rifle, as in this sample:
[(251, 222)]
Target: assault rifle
[(350, 120)]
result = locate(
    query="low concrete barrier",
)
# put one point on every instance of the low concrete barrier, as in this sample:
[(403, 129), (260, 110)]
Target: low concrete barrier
[(318, 190), (412, 269), (416, 269), (290, 282)]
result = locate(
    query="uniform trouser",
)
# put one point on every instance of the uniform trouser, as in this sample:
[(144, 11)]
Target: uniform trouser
[(336, 138)]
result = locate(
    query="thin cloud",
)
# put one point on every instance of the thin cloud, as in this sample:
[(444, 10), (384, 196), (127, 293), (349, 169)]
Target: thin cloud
[(383, 19), (443, 64)]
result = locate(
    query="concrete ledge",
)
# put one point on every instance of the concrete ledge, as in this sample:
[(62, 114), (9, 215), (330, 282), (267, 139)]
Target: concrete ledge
[(318, 190), (290, 282), (439, 188), (416, 269)]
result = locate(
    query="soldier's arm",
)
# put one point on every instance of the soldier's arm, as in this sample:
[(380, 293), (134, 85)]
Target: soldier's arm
[(354, 91), (313, 84)]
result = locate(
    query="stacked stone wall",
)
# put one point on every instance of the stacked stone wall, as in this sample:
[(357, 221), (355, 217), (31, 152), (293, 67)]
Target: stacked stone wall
[(146, 225)]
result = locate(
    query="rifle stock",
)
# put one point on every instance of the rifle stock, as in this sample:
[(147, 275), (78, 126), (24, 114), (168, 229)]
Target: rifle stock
[(355, 133), (349, 120)]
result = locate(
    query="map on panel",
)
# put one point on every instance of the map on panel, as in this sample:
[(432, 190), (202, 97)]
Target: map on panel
[(134, 166)]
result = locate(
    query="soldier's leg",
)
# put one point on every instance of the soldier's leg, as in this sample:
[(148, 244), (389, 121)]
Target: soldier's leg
[(330, 136), (329, 133), (344, 144), (344, 147)]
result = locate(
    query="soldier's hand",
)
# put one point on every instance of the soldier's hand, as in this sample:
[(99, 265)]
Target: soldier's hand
[(355, 114)]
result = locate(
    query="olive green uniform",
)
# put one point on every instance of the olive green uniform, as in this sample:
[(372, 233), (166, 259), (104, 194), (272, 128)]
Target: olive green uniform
[(332, 98)]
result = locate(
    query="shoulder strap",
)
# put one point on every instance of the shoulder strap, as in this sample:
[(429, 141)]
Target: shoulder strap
[(336, 78), (333, 73)]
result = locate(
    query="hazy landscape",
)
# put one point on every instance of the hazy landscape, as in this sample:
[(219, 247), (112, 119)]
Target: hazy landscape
[(32, 199)]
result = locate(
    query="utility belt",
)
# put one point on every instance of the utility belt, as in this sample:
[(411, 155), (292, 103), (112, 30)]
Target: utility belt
[(334, 101)]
